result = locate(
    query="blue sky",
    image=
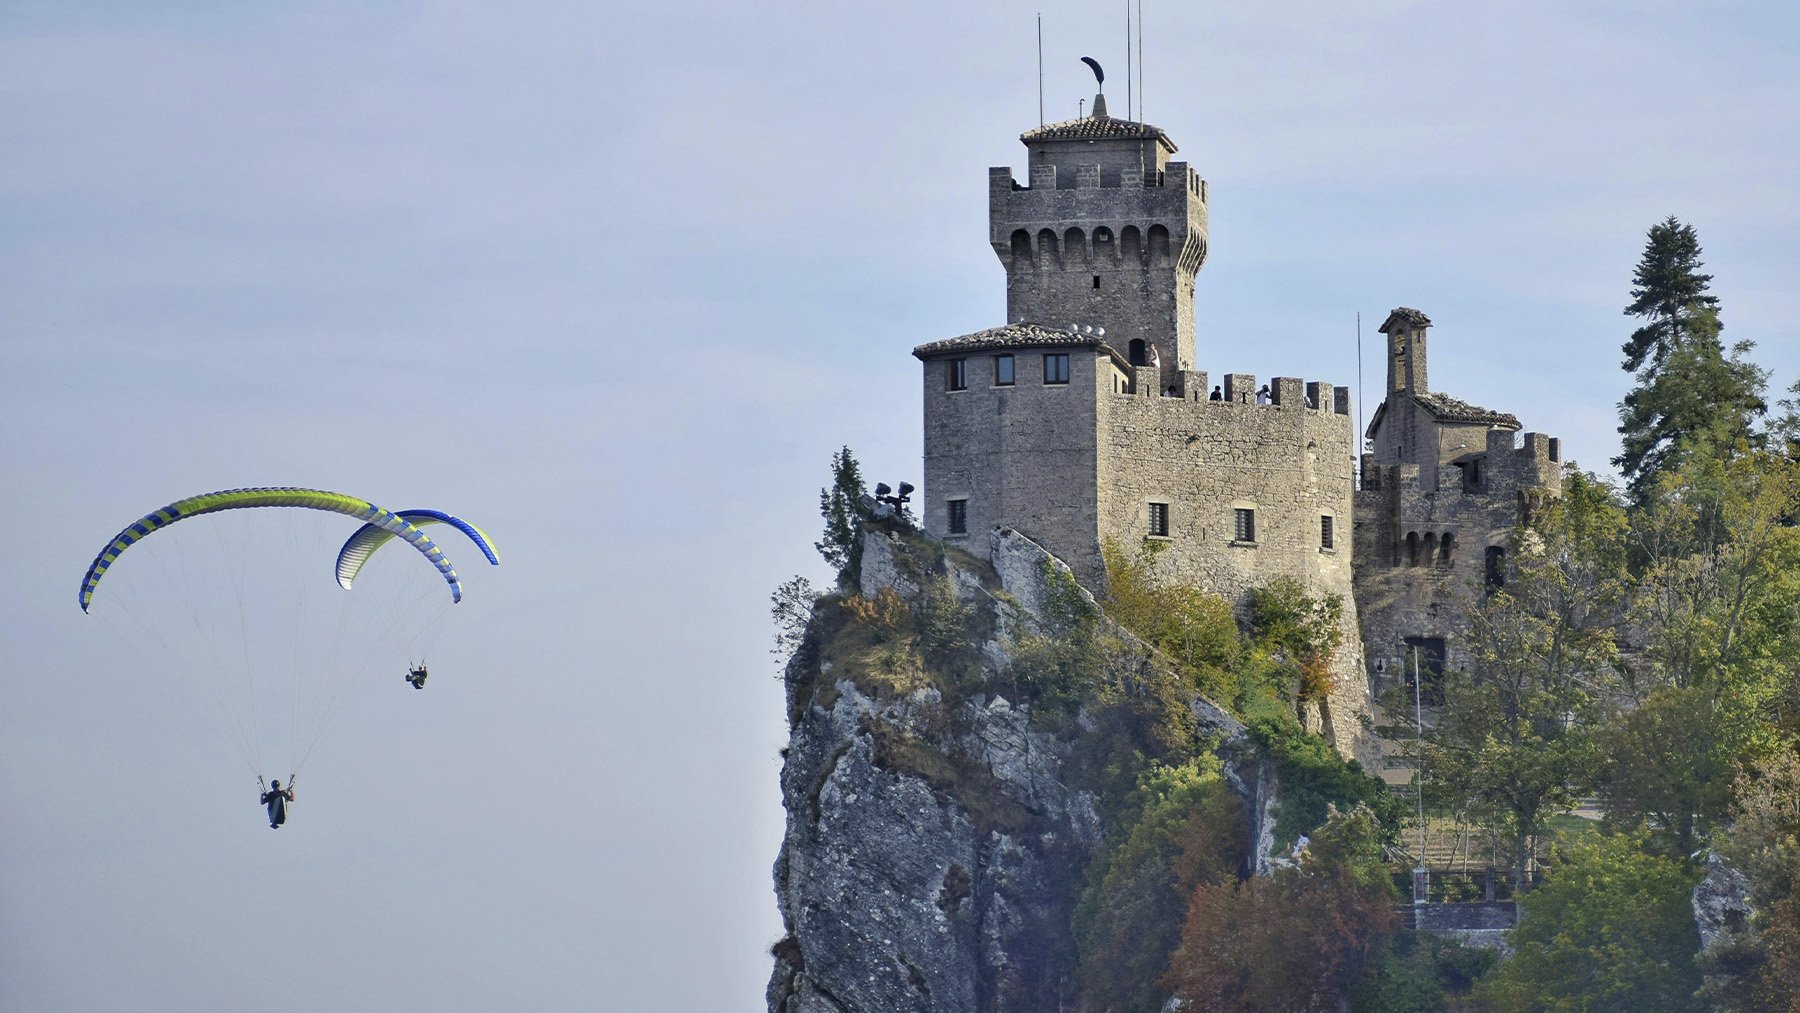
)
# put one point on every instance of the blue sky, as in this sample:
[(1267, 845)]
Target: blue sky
[(614, 281)]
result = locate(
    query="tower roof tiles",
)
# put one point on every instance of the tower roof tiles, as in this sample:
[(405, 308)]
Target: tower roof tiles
[(1019, 335), (1445, 408), (1095, 128), (1406, 315)]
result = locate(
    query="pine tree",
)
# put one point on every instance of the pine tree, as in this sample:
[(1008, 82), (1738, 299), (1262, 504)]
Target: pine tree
[(1669, 292), (838, 505), (1691, 395)]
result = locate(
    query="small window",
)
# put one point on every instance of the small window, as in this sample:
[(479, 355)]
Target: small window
[(958, 375), (958, 516), (1496, 568), (1159, 520), (1096, 283), (1325, 531), (1244, 527), (1056, 368), (1003, 371), (1425, 655)]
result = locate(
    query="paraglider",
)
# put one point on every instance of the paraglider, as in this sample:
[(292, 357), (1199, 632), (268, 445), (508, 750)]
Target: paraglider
[(254, 634), (372, 536), (276, 798), (284, 496)]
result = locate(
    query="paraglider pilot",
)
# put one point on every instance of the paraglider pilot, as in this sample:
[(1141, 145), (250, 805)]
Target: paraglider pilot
[(416, 676), (277, 798)]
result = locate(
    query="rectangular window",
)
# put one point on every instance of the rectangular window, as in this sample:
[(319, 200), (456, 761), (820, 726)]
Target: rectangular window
[(1425, 655), (1244, 528), (1056, 368), (1159, 520), (1003, 371), (1325, 531), (958, 375), (958, 516)]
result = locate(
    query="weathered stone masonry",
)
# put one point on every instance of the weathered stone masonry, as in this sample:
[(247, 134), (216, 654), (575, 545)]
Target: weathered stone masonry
[(1083, 419), (1443, 488)]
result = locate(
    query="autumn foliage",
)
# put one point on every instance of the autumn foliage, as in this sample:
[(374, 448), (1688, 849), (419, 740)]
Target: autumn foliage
[(1293, 940)]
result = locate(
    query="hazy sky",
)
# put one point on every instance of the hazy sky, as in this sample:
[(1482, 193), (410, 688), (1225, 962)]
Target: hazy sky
[(613, 280)]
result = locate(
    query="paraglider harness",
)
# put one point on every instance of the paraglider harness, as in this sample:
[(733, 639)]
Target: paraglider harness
[(416, 676), (269, 798)]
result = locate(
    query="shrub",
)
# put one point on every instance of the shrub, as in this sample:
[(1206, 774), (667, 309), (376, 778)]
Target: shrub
[(1314, 778)]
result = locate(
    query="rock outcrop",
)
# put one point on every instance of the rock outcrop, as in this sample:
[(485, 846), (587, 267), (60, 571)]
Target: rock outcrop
[(935, 849)]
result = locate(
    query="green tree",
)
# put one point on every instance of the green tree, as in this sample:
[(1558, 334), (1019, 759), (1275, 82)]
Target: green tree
[(1511, 745), (1720, 572), (1689, 391), (1718, 553), (1314, 779), (1667, 769), (1668, 292), (840, 504), (1612, 928), (1182, 828), (1298, 633)]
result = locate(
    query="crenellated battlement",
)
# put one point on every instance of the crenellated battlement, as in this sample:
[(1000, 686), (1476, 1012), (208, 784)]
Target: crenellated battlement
[(1105, 236), (1044, 179), (1030, 220)]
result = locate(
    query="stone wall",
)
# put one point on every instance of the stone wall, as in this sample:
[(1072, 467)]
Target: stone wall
[(1482, 924), (1421, 547), (1022, 456), (1288, 462)]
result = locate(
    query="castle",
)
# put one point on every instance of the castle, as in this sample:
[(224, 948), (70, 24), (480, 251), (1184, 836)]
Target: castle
[(1083, 420)]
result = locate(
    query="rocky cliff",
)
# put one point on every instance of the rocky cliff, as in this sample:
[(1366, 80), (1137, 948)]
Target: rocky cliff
[(938, 832)]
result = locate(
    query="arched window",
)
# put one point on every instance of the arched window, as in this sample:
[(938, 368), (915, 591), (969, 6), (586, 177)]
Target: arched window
[(1136, 353), (1075, 249), (1444, 546), (1021, 245), (1159, 245), (1412, 548), (1131, 243), (1047, 252)]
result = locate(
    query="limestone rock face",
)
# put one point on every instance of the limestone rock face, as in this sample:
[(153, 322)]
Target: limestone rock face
[(898, 897), (934, 851), (1721, 900)]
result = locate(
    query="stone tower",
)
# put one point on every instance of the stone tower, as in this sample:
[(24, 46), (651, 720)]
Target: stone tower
[(1405, 329), (1108, 233), (1083, 420), (1443, 487)]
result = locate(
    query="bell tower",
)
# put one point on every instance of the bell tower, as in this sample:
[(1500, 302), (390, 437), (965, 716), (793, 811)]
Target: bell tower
[(1106, 232), (1405, 329)]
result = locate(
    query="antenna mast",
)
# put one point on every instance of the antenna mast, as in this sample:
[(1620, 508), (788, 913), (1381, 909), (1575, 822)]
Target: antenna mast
[(1356, 438), (1128, 60), (1040, 68), (1140, 105)]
